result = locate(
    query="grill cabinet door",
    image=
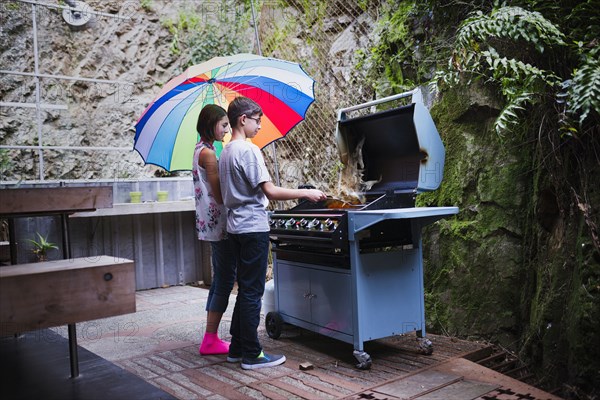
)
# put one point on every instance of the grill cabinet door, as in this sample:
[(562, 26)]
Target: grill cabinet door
[(314, 295), (293, 289), (330, 303)]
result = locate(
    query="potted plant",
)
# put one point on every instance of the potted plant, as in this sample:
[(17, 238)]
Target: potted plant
[(136, 197), (41, 247)]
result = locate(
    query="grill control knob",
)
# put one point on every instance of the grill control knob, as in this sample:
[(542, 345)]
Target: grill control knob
[(280, 223), (329, 224), (315, 224), (303, 223), (290, 223), (271, 222)]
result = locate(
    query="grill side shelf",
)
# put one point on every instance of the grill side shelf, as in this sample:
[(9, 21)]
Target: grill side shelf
[(360, 220)]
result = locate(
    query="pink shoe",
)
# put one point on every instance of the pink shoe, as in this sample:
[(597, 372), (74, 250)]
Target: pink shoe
[(211, 344)]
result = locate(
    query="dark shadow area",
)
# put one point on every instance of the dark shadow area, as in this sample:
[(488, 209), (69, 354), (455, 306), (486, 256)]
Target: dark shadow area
[(36, 365)]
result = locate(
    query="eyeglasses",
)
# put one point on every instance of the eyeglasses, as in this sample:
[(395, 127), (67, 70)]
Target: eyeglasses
[(257, 120)]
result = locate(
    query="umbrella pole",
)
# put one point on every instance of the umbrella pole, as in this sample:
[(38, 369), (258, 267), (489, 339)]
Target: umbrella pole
[(275, 166), (255, 28), (273, 147)]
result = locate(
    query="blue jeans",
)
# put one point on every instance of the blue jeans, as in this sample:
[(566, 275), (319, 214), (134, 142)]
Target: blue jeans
[(251, 252), (223, 276)]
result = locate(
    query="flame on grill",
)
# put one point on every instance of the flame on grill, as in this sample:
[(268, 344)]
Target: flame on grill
[(351, 187)]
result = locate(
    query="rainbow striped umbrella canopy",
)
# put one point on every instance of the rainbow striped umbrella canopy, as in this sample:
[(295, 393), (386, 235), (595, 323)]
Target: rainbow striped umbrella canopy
[(165, 134)]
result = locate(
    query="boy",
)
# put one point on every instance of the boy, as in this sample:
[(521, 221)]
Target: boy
[(247, 188)]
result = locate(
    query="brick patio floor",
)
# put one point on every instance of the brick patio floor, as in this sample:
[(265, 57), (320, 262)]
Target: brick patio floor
[(159, 343)]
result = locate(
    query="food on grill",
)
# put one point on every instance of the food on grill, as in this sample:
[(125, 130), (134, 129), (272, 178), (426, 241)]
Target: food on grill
[(332, 203)]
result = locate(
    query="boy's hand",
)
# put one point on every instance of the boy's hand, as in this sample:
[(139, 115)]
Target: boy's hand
[(314, 195)]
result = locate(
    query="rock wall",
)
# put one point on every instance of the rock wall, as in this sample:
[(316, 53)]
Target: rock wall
[(474, 268), (518, 266), (134, 53)]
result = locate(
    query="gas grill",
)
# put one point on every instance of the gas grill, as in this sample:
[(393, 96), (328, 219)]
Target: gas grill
[(354, 272)]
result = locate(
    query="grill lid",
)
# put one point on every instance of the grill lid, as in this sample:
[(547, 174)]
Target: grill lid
[(401, 148)]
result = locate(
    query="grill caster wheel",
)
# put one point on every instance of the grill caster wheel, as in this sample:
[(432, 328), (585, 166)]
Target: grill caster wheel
[(273, 324), (363, 358), (425, 346)]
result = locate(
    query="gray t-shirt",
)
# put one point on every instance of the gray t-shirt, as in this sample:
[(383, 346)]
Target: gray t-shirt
[(241, 171)]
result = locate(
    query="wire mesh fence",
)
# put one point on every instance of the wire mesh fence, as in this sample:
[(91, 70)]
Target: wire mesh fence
[(324, 38)]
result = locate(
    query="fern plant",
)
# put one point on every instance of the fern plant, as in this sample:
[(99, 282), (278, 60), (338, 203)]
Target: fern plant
[(583, 91), (513, 23), (520, 83)]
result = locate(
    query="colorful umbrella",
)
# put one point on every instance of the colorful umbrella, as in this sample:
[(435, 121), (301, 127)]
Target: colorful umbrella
[(166, 132)]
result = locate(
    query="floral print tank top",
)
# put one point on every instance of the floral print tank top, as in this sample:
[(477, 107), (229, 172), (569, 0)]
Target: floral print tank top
[(211, 217)]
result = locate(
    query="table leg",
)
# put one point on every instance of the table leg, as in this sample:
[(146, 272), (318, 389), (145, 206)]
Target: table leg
[(66, 239), (73, 351), (12, 240)]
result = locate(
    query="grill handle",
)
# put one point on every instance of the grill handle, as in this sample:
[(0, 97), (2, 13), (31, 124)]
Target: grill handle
[(415, 93)]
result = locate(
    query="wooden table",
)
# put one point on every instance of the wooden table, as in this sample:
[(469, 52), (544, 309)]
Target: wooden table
[(67, 291), (49, 201)]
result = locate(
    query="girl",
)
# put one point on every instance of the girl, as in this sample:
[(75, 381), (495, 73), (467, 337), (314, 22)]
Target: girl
[(211, 220)]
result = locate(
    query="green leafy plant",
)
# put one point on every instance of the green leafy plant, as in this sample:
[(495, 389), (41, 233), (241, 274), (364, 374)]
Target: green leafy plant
[(520, 83), (513, 23), (41, 246), (584, 89), (391, 61), (146, 5), (5, 163), (217, 32)]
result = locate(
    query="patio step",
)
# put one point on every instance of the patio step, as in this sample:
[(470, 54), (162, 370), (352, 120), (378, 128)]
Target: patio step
[(509, 364)]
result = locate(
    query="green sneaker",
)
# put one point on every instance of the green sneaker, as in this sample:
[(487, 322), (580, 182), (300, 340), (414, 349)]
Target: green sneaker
[(262, 361)]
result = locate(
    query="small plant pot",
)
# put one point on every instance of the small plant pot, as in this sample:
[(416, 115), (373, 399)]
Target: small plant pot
[(162, 195), (136, 197)]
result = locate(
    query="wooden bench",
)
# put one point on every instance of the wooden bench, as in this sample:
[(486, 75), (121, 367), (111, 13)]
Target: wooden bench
[(55, 293)]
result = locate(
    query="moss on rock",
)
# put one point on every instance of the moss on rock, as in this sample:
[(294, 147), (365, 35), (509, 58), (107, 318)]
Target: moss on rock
[(472, 287)]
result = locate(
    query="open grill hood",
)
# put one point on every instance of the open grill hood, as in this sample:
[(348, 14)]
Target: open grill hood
[(401, 148)]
